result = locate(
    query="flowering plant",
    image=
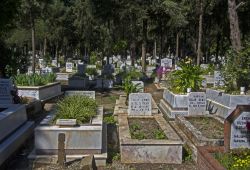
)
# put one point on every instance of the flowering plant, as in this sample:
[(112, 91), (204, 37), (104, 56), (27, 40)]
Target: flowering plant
[(162, 70)]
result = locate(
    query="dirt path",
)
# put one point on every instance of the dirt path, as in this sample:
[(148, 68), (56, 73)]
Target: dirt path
[(156, 93)]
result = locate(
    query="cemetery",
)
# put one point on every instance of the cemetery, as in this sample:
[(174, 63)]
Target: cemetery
[(92, 85)]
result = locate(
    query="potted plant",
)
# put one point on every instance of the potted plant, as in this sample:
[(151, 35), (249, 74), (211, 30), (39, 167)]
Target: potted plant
[(41, 87)]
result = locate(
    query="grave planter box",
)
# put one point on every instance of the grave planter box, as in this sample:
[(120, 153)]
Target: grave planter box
[(149, 150), (104, 83), (194, 134), (78, 82), (40, 92), (14, 129), (83, 139), (223, 104), (206, 161), (11, 117), (174, 104)]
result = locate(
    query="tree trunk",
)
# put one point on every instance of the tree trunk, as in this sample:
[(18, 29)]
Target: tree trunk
[(33, 43), (234, 25), (132, 46), (57, 52), (44, 46), (154, 53), (177, 45), (144, 44), (200, 33)]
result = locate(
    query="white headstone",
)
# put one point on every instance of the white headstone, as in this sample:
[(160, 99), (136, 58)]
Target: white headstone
[(240, 135), (204, 83), (218, 79), (69, 67), (204, 66), (140, 104), (54, 63), (41, 63), (90, 94), (166, 62), (140, 85), (196, 103), (5, 91)]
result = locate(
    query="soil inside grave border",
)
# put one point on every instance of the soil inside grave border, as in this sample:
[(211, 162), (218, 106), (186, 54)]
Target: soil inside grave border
[(208, 126), (145, 128)]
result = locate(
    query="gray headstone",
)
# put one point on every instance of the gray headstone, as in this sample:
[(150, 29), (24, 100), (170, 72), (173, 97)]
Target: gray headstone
[(5, 91), (166, 62), (240, 135), (196, 103), (54, 63), (81, 68), (69, 67), (90, 94), (140, 104), (218, 79)]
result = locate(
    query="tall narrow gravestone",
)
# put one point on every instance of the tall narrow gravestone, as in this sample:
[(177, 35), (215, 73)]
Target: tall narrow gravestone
[(140, 104), (5, 94), (196, 103), (237, 128)]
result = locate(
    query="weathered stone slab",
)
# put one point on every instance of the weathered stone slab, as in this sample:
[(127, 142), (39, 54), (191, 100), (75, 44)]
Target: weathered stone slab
[(11, 118), (140, 104), (149, 150), (175, 100), (66, 122), (218, 79), (40, 92), (90, 94)]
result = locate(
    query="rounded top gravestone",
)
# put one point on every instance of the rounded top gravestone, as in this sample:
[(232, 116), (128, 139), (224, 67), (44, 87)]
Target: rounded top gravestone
[(237, 128)]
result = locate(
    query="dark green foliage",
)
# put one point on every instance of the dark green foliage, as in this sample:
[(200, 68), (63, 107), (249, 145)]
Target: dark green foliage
[(81, 108), (237, 69)]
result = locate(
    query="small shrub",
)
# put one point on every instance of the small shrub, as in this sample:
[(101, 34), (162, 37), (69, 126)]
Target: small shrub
[(91, 71), (34, 79), (187, 154), (159, 134), (136, 133), (109, 119), (81, 108), (188, 77)]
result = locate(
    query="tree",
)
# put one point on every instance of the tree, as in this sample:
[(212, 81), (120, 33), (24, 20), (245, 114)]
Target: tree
[(234, 25)]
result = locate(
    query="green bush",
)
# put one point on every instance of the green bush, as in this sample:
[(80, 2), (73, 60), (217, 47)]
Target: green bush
[(81, 108), (159, 134), (34, 79), (91, 71), (236, 71), (109, 119), (188, 77), (129, 87)]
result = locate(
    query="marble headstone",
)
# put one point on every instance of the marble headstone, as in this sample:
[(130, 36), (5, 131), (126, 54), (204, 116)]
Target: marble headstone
[(69, 67), (240, 134), (218, 79), (166, 62), (196, 103), (140, 104)]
